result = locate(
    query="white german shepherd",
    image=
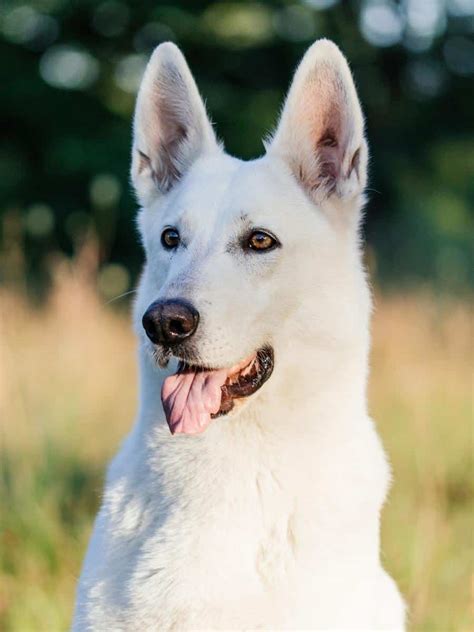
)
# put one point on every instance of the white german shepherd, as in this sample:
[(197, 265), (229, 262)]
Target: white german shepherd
[(261, 508)]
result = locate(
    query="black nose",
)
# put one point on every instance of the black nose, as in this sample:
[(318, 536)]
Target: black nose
[(170, 322)]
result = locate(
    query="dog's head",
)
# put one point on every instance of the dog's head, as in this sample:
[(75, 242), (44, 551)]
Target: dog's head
[(246, 261)]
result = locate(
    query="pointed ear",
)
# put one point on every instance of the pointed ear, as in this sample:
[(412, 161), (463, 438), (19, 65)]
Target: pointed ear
[(321, 130), (171, 129)]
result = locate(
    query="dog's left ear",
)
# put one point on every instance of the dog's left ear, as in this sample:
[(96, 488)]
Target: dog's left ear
[(321, 130)]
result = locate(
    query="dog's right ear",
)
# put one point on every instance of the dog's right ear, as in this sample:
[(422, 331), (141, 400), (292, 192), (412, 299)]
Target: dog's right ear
[(171, 128)]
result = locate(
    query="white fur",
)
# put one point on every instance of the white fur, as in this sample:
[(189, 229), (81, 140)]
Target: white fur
[(270, 518)]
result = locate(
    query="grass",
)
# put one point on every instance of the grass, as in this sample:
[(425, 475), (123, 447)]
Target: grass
[(67, 397)]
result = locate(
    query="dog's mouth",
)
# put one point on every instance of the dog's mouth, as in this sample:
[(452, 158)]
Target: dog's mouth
[(195, 395)]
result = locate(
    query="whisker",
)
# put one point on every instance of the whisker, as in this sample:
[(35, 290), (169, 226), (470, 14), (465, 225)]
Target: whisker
[(116, 298)]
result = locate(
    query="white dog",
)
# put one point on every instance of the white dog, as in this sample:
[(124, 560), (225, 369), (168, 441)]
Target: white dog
[(248, 494)]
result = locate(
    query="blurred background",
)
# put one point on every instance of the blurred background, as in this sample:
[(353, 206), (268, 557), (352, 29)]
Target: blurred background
[(69, 259)]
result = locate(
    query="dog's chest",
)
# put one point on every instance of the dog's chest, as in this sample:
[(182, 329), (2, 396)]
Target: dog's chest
[(224, 510), (234, 515), (229, 522)]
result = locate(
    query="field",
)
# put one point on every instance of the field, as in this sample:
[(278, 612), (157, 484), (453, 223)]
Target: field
[(67, 396)]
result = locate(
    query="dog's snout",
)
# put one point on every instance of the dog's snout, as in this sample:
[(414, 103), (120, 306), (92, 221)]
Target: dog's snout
[(170, 322)]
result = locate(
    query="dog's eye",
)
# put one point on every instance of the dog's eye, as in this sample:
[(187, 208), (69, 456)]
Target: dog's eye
[(170, 238), (260, 240)]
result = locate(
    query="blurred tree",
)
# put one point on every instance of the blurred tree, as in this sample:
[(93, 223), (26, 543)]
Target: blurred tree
[(69, 72)]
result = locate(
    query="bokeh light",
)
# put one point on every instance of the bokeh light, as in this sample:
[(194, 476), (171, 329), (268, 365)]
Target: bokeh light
[(461, 8), (113, 280), (39, 220), (24, 25), (381, 23), (105, 190), (68, 67), (240, 25), (426, 77), (129, 71)]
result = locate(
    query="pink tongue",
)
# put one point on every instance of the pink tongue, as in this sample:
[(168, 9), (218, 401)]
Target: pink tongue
[(189, 399)]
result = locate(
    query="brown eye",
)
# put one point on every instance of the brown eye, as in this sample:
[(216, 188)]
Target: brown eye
[(170, 238), (260, 240)]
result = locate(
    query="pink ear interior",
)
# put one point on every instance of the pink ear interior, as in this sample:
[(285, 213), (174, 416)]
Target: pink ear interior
[(168, 126), (323, 110), (171, 127)]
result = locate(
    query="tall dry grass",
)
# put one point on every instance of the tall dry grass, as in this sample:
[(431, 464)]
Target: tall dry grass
[(68, 389)]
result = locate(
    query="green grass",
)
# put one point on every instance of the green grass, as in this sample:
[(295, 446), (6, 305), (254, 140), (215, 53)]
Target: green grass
[(65, 408)]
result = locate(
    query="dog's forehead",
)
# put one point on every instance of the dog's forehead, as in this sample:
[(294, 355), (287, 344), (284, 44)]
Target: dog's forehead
[(226, 189), (205, 187), (261, 186)]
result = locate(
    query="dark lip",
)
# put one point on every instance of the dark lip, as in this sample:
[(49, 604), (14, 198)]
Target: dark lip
[(245, 385)]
